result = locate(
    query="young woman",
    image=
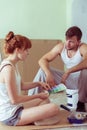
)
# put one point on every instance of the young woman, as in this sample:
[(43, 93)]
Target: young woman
[(17, 109)]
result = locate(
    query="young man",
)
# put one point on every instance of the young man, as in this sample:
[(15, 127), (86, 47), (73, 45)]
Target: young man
[(74, 56)]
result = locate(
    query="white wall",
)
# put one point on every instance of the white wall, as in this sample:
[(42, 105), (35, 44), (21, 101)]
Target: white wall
[(79, 16), (37, 19)]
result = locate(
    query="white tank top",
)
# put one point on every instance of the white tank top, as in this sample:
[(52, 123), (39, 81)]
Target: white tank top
[(6, 108), (71, 62)]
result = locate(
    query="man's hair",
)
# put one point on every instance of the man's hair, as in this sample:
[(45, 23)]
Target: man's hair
[(74, 31)]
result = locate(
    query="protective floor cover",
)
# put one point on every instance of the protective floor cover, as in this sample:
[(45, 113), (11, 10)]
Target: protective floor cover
[(63, 123)]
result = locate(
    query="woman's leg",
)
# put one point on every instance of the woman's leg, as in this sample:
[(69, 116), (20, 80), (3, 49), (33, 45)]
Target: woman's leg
[(35, 102), (49, 121), (40, 113)]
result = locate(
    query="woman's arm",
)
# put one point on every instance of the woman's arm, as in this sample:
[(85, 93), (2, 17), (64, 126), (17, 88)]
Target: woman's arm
[(29, 85), (10, 81)]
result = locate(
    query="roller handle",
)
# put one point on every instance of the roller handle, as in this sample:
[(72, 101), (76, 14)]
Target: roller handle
[(64, 107)]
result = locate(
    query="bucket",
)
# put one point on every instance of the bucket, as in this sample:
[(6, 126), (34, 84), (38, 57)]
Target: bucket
[(72, 98)]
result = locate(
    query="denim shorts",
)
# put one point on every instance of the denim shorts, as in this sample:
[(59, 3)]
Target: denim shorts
[(12, 121)]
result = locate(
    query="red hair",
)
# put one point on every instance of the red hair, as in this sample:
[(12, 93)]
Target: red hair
[(16, 41)]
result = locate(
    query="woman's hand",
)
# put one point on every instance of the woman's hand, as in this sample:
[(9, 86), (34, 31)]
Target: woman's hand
[(45, 85), (43, 95)]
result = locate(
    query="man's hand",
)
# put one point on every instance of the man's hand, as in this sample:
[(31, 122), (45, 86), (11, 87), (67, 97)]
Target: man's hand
[(50, 80), (64, 77), (46, 86)]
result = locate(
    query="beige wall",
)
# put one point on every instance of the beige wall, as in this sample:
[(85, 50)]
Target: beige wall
[(29, 67), (39, 48)]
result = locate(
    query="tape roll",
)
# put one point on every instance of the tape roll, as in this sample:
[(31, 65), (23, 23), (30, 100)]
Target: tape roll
[(78, 116)]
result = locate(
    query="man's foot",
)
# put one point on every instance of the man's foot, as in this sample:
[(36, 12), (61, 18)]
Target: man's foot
[(81, 107)]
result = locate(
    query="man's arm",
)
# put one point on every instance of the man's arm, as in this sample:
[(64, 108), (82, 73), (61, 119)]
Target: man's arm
[(83, 64), (49, 57), (80, 66)]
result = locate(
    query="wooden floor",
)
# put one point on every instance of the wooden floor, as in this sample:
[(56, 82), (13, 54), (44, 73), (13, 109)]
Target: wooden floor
[(58, 98)]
